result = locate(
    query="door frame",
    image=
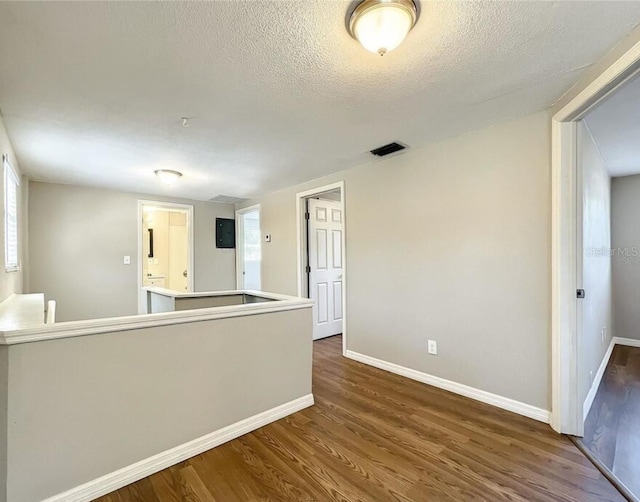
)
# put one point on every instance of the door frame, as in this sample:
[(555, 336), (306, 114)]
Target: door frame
[(301, 245), (190, 232), (240, 243), (566, 365)]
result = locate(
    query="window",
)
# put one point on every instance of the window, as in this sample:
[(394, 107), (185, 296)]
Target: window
[(11, 184)]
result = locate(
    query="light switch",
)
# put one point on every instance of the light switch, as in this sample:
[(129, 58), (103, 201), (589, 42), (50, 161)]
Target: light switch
[(127, 260), (267, 238)]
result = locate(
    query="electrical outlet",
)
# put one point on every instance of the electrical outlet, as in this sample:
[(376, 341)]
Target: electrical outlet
[(432, 347)]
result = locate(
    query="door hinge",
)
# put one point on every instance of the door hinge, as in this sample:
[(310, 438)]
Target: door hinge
[(580, 293), (308, 269), (307, 216)]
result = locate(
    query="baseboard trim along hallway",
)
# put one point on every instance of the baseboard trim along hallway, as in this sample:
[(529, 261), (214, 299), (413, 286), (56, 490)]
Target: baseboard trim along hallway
[(505, 403), (122, 477), (629, 342), (591, 395)]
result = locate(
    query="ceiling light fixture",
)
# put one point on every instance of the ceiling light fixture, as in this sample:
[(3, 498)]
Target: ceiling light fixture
[(167, 176), (381, 25)]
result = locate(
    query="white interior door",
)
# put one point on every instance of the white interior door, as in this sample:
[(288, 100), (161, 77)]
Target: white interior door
[(249, 276), (325, 266)]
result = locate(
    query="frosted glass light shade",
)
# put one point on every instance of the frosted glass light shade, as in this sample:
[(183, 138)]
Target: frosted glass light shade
[(381, 25), (167, 176)]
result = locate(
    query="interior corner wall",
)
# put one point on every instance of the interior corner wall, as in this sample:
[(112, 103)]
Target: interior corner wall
[(625, 235), (79, 235), (12, 282), (597, 306), (449, 242)]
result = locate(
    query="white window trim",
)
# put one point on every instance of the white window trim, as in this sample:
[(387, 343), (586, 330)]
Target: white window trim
[(10, 176)]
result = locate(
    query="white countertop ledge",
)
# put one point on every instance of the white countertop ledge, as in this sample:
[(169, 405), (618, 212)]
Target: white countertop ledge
[(200, 294), (22, 311), (69, 329)]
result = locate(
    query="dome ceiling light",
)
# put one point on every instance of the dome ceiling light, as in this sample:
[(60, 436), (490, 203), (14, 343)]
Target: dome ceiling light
[(381, 25), (167, 176)]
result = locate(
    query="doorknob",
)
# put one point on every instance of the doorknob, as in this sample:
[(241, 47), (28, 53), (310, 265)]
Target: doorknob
[(184, 274)]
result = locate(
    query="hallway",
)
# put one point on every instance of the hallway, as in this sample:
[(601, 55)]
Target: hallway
[(376, 436)]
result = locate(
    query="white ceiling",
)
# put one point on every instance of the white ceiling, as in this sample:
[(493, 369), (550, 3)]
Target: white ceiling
[(615, 126), (92, 92)]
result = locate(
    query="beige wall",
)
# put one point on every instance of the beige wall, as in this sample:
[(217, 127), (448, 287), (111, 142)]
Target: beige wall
[(625, 235), (449, 242), (597, 307), (80, 408), (79, 236), (4, 420), (12, 282)]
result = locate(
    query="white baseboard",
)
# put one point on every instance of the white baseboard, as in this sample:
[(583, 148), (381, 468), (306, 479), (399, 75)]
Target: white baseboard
[(457, 388), (591, 395), (630, 342), (122, 477)]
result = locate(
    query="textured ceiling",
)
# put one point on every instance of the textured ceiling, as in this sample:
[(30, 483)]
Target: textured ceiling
[(615, 126), (92, 92)]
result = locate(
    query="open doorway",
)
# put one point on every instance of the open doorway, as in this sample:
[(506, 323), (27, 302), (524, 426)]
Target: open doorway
[(595, 368), (249, 251), (165, 248), (608, 273), (321, 257), (568, 363)]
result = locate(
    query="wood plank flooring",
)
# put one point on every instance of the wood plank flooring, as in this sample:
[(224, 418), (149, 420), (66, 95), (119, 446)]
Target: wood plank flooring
[(612, 428), (374, 436)]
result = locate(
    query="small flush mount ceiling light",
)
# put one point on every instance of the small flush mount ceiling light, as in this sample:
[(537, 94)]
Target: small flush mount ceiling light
[(381, 25), (167, 176)]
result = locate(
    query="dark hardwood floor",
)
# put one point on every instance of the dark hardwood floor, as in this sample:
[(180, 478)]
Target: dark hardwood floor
[(612, 428), (374, 436)]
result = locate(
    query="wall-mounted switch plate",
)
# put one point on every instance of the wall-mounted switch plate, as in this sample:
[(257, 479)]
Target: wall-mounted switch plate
[(432, 347), (127, 260), (267, 238)]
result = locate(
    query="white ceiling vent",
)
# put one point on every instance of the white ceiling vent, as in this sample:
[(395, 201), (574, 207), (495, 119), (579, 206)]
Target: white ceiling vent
[(226, 199)]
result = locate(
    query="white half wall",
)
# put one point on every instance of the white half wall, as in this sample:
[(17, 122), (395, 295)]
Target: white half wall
[(88, 414), (449, 242), (79, 236)]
